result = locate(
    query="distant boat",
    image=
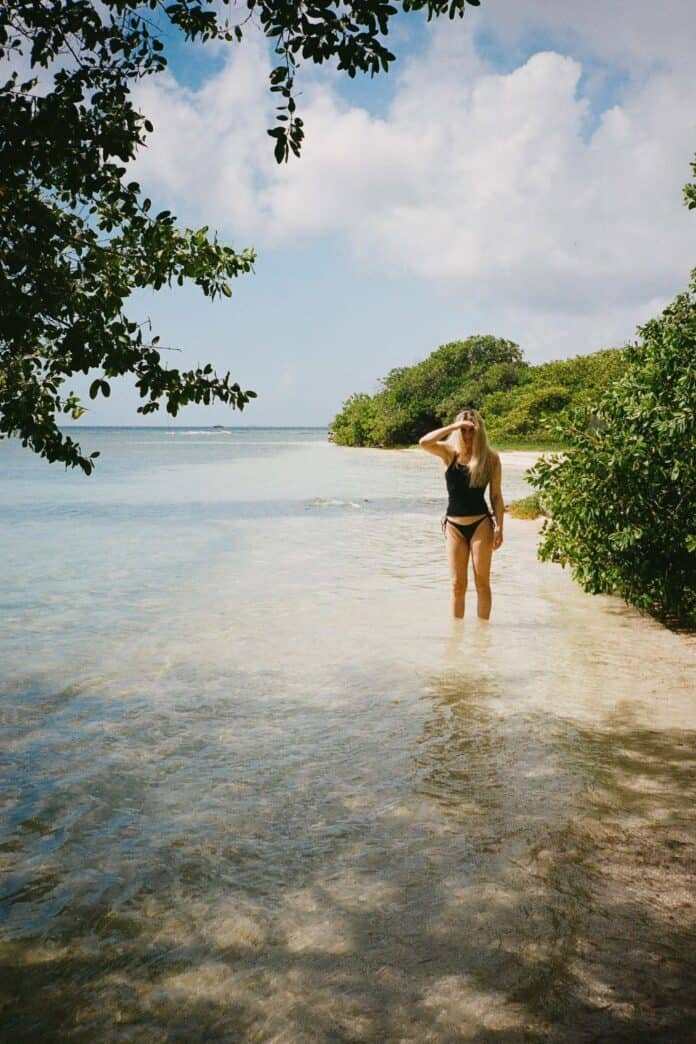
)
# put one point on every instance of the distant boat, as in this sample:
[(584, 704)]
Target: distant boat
[(219, 427)]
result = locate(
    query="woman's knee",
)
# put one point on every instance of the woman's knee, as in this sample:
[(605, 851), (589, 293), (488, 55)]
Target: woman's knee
[(483, 585), (458, 586)]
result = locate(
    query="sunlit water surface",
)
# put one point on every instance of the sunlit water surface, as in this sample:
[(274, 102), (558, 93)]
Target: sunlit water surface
[(257, 786)]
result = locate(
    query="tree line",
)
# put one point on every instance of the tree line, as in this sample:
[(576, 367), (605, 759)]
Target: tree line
[(521, 404)]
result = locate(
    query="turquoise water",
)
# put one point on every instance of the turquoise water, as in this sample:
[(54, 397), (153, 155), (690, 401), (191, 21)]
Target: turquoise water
[(256, 785)]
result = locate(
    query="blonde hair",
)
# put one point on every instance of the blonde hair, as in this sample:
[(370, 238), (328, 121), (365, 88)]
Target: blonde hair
[(481, 463)]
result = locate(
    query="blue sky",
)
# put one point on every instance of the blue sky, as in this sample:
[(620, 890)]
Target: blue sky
[(517, 173)]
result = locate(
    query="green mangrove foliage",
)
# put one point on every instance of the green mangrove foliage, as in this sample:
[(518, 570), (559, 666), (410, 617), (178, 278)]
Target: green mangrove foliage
[(519, 402), (621, 498)]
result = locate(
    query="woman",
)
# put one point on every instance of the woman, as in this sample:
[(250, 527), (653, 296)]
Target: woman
[(468, 525)]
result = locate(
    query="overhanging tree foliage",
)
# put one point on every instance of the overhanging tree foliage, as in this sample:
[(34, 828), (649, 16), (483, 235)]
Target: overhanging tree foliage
[(77, 238)]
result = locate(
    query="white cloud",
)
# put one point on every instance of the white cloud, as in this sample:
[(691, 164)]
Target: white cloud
[(633, 35), (484, 183), (210, 149)]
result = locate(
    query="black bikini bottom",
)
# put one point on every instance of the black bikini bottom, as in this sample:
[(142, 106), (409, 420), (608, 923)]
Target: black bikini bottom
[(467, 530)]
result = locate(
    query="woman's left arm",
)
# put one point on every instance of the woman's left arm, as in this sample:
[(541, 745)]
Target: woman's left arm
[(497, 501)]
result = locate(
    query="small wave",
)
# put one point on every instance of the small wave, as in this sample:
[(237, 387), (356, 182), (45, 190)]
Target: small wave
[(333, 502)]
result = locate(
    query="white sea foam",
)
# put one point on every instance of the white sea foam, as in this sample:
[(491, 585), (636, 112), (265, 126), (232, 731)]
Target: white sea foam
[(201, 431), (334, 502)]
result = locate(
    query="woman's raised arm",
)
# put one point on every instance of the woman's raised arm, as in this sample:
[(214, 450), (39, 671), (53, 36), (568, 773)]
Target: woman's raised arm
[(432, 442)]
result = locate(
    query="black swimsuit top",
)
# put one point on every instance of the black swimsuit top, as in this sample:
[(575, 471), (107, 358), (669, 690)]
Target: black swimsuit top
[(463, 498)]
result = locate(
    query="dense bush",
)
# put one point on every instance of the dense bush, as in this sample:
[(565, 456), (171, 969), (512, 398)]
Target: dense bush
[(622, 496), (410, 400), (527, 507), (354, 425), (530, 411), (519, 402), (482, 381)]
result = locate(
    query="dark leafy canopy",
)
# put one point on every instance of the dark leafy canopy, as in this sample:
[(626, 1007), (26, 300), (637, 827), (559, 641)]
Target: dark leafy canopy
[(622, 496), (77, 238)]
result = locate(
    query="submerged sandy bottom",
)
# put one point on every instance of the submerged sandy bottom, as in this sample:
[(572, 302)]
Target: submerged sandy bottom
[(294, 802)]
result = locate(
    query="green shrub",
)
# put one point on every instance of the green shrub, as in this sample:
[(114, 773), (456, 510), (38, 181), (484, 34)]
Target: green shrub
[(526, 410), (354, 425), (622, 496), (407, 404), (519, 403), (583, 373), (526, 508), (481, 382), (530, 410)]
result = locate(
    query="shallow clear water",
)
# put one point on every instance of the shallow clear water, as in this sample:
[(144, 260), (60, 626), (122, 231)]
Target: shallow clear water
[(257, 786)]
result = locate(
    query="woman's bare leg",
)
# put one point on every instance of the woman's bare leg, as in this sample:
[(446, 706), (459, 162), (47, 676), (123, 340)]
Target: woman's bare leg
[(458, 560), (481, 554)]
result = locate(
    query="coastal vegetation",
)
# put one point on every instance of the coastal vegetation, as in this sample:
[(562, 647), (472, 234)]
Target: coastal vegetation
[(621, 497), (526, 507), (521, 403)]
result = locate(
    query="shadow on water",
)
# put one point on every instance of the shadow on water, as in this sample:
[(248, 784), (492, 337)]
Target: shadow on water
[(529, 879)]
